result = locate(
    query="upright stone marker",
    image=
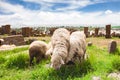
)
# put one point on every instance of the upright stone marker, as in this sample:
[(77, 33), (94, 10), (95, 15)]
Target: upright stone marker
[(112, 46), (6, 29), (108, 31), (96, 32), (26, 31), (86, 31)]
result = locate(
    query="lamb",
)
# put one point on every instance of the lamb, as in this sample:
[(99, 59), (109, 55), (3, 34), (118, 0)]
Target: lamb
[(37, 49), (77, 46), (60, 47)]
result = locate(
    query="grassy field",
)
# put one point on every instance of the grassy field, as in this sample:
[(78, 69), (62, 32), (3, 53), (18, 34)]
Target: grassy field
[(14, 64)]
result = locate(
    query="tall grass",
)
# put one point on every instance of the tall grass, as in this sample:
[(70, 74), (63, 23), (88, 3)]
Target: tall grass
[(116, 63), (6, 53), (14, 65), (17, 61)]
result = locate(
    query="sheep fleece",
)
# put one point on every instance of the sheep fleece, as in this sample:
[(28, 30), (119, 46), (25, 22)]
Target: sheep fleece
[(60, 44), (77, 45), (37, 49)]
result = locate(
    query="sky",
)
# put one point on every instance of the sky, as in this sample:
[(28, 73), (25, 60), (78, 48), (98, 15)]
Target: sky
[(59, 12)]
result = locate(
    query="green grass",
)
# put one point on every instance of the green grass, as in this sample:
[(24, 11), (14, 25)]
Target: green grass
[(118, 27), (14, 65)]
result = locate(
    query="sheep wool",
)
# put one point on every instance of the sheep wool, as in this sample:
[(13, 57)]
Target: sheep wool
[(60, 47), (37, 49), (77, 46)]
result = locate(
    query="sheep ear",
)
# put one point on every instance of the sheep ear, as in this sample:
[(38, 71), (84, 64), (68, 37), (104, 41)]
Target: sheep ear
[(62, 61)]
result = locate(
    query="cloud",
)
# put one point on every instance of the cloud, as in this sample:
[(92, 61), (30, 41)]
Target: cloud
[(108, 12), (24, 17), (7, 8), (46, 5)]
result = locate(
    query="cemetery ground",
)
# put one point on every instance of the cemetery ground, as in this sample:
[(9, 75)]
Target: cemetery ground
[(14, 64)]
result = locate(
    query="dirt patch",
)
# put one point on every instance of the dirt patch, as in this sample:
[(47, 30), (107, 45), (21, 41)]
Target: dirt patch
[(7, 47), (102, 42)]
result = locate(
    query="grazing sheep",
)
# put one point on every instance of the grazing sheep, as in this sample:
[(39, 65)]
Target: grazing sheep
[(60, 47), (37, 49), (77, 46)]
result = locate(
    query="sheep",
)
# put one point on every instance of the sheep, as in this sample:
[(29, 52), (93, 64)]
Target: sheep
[(77, 46), (37, 49), (60, 47)]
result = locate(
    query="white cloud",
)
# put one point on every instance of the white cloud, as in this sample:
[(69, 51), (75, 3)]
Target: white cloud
[(108, 12), (75, 4), (72, 4), (7, 8), (23, 17)]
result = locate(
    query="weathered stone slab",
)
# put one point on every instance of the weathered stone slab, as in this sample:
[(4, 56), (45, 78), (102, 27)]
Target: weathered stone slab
[(86, 31), (108, 31), (112, 46), (14, 39)]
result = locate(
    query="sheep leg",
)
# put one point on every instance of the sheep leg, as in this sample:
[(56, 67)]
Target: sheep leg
[(37, 59), (31, 59)]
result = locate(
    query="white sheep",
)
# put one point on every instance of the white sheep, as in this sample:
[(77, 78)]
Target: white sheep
[(37, 49), (77, 46), (60, 47)]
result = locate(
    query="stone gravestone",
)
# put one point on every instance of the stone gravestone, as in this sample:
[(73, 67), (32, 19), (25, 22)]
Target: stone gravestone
[(96, 32), (108, 31), (86, 31), (6, 29), (26, 31), (112, 46)]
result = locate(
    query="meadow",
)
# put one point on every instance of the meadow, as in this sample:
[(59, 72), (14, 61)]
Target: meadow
[(14, 64)]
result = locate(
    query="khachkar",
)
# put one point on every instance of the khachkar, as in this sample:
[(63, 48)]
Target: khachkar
[(96, 32), (26, 31), (108, 31), (86, 31), (5, 29)]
